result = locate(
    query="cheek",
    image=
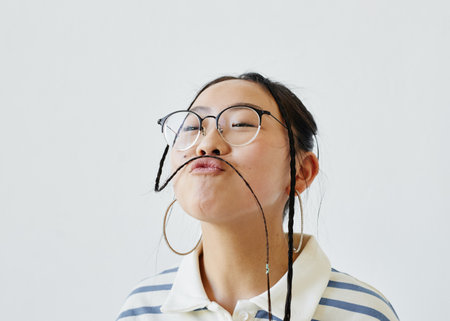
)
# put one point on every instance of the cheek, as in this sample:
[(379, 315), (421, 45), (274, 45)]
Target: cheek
[(176, 159), (267, 171), (264, 166)]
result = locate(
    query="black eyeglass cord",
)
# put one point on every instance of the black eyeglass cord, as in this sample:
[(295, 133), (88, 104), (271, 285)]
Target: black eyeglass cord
[(159, 188)]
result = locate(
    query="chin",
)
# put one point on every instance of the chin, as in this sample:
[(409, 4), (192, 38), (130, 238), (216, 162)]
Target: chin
[(210, 210)]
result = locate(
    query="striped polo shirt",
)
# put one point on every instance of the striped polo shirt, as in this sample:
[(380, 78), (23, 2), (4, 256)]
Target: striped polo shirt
[(319, 292)]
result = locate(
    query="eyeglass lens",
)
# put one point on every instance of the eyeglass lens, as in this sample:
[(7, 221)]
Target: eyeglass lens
[(237, 126)]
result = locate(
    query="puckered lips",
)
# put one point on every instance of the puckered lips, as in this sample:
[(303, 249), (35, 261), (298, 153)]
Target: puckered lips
[(206, 166)]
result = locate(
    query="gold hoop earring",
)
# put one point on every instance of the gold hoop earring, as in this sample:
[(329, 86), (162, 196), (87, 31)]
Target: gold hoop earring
[(297, 250), (165, 235)]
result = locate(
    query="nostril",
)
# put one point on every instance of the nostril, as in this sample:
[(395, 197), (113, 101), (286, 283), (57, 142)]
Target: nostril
[(213, 152)]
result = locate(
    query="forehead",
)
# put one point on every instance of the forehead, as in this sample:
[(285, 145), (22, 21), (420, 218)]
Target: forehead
[(235, 91)]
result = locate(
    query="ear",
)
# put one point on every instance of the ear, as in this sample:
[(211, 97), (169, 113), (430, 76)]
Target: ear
[(307, 168)]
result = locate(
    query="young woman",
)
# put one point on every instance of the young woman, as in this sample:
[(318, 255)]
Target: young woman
[(240, 155)]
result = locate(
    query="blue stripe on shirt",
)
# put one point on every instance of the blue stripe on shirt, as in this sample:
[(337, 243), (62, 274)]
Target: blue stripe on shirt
[(201, 309), (152, 288), (261, 314), (354, 287), (175, 269), (354, 308), (139, 311), (334, 270)]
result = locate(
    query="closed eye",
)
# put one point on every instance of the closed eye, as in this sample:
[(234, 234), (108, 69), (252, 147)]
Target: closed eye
[(242, 125), (190, 128)]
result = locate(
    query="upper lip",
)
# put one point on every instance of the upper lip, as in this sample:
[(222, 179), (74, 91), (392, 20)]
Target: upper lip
[(206, 163)]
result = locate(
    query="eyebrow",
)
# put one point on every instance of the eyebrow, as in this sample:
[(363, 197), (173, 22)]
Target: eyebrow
[(249, 105), (200, 108), (206, 109)]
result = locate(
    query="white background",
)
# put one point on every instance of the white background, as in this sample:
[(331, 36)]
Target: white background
[(83, 82)]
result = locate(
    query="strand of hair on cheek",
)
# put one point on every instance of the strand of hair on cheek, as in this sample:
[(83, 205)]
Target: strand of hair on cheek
[(160, 188)]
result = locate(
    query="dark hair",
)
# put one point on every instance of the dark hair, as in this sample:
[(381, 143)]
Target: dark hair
[(302, 131)]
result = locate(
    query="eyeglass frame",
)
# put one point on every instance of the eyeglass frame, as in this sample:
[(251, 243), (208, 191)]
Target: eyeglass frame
[(259, 111)]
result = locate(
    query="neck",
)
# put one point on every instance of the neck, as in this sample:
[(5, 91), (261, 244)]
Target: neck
[(233, 261)]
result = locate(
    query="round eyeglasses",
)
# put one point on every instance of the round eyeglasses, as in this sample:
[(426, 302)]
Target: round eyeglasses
[(238, 125)]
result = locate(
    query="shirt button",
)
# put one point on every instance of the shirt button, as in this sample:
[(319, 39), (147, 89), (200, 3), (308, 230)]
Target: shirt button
[(243, 316)]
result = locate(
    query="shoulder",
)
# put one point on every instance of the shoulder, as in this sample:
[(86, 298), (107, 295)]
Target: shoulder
[(149, 294), (347, 298)]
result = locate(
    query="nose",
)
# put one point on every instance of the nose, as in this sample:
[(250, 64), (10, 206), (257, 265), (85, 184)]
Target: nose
[(210, 141)]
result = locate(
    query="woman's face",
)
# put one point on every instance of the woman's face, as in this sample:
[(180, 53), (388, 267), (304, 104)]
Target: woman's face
[(220, 195)]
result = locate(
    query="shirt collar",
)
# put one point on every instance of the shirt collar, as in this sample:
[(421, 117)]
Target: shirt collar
[(187, 293), (311, 272)]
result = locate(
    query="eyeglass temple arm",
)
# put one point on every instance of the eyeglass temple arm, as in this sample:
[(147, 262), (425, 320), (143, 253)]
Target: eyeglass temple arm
[(270, 114), (161, 122)]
